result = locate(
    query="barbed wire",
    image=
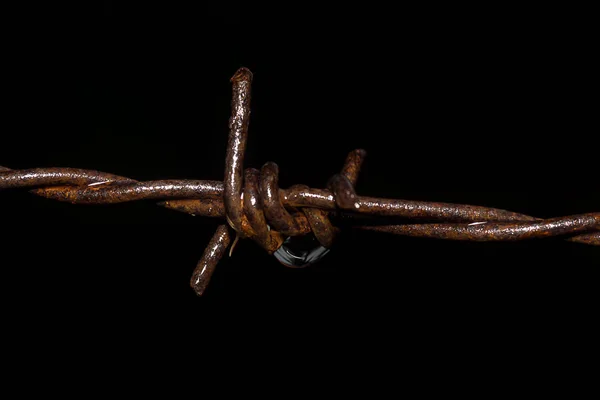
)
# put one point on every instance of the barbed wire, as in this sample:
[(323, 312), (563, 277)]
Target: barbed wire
[(254, 206)]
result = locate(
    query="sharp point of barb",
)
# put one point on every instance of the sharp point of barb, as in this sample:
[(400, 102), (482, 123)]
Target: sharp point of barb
[(242, 74)]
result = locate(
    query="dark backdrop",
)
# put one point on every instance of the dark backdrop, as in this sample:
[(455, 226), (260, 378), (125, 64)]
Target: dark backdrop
[(486, 108)]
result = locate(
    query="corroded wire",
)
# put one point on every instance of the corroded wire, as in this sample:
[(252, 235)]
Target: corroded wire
[(256, 208), (210, 258), (102, 188), (497, 231), (238, 135), (99, 190)]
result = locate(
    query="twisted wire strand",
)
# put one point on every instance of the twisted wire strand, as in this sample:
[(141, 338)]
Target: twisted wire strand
[(498, 231), (255, 207), (205, 198), (93, 187)]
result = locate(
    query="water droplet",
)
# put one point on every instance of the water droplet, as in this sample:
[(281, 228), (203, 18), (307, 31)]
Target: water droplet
[(300, 251)]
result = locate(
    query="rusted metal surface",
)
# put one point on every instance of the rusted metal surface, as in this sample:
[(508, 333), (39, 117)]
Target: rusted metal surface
[(321, 226), (592, 238), (95, 187), (323, 229), (352, 165), (56, 176), (268, 239), (256, 208), (430, 210), (343, 192), (209, 207), (210, 258), (238, 135), (104, 188), (275, 211), (110, 193), (296, 196), (497, 231)]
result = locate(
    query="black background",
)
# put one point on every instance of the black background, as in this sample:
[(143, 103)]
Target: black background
[(486, 107)]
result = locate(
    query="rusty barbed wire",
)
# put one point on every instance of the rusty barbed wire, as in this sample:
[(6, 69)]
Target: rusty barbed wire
[(254, 206)]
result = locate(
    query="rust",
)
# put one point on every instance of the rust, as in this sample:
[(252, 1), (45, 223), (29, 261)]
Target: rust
[(270, 240), (107, 193), (113, 189), (295, 196), (435, 210), (56, 176), (210, 258), (497, 231), (592, 238), (343, 192), (209, 207), (256, 208), (318, 219), (238, 135), (321, 226), (352, 165), (104, 189), (256, 218), (280, 218)]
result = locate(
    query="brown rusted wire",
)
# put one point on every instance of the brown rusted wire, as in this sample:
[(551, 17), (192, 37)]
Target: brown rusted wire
[(255, 207)]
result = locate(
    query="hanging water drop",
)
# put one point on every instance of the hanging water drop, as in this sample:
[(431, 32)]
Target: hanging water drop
[(300, 251)]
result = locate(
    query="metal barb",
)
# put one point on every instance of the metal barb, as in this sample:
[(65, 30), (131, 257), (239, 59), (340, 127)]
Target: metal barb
[(255, 207)]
